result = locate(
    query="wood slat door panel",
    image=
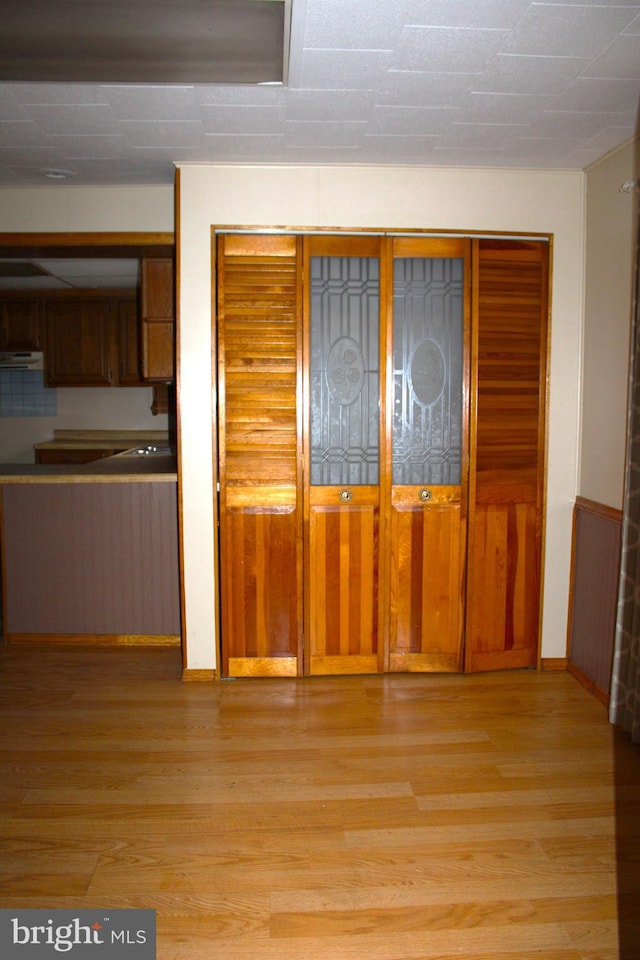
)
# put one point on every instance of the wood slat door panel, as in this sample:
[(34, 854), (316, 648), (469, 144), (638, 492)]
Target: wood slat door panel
[(426, 594), (262, 609), (259, 460), (507, 460), (343, 581)]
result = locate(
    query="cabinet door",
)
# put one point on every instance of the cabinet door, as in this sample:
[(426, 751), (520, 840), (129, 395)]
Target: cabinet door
[(79, 343), (158, 323), (128, 329), (20, 325)]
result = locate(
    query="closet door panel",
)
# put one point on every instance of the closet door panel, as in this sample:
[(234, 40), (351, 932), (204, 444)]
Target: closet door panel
[(342, 457), (506, 514), (426, 586), (259, 454), (343, 582), (429, 442)]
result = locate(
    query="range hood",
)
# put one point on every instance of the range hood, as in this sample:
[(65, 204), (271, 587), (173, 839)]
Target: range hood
[(21, 360)]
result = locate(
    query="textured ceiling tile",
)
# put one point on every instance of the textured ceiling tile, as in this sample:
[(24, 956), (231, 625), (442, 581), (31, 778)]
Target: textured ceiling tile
[(567, 31), (480, 135), (587, 93), (34, 158), (74, 118), (26, 134), (176, 135), (241, 94), (57, 93), (516, 74), (136, 169), (620, 61), (343, 24), (343, 69), (394, 81), (487, 14), (410, 121), (329, 105), (417, 89), (401, 149), (152, 103), (444, 50), (223, 148), (90, 146), (324, 134), (609, 137), (533, 150), (10, 108), (559, 124), (241, 120), (506, 107)]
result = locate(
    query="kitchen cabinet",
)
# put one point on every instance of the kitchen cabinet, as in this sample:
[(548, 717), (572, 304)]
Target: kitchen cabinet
[(128, 334), (91, 341), (20, 324), (158, 319)]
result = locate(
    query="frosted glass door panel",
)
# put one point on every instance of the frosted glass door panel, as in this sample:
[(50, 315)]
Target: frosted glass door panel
[(345, 370), (428, 306)]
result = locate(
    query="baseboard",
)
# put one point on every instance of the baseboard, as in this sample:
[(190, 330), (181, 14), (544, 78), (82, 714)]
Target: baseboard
[(601, 695), (198, 676), (554, 664)]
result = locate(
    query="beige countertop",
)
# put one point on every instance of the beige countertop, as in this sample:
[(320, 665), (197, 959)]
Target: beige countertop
[(108, 470), (119, 468)]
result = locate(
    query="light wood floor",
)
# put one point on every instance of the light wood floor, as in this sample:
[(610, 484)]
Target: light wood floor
[(386, 818)]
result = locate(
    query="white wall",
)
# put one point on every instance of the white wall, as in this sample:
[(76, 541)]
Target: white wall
[(608, 301), (383, 197), (61, 209), (80, 408)]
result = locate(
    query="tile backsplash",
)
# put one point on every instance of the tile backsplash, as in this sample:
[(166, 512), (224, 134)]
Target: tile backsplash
[(23, 394)]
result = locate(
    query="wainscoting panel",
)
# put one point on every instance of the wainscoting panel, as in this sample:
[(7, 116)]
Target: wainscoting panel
[(595, 562)]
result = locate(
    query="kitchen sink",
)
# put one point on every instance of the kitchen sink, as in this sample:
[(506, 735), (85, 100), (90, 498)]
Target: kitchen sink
[(148, 450)]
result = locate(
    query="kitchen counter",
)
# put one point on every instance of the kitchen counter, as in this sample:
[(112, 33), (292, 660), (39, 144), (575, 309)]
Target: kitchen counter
[(119, 469), (106, 468), (100, 439)]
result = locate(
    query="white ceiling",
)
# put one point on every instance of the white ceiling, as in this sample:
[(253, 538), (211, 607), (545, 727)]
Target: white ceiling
[(542, 84), (36, 274)]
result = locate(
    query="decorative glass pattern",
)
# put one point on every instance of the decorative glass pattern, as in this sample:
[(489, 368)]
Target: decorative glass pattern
[(427, 370), (345, 370)]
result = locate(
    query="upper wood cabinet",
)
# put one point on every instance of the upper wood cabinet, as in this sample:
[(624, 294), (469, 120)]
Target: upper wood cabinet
[(91, 341), (128, 336), (158, 319), (21, 324)]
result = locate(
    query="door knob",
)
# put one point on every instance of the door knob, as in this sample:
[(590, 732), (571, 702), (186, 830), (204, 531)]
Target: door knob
[(345, 496), (425, 495)]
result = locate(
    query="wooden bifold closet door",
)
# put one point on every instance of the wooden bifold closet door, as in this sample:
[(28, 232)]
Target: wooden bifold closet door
[(381, 421), (259, 310), (507, 454)]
